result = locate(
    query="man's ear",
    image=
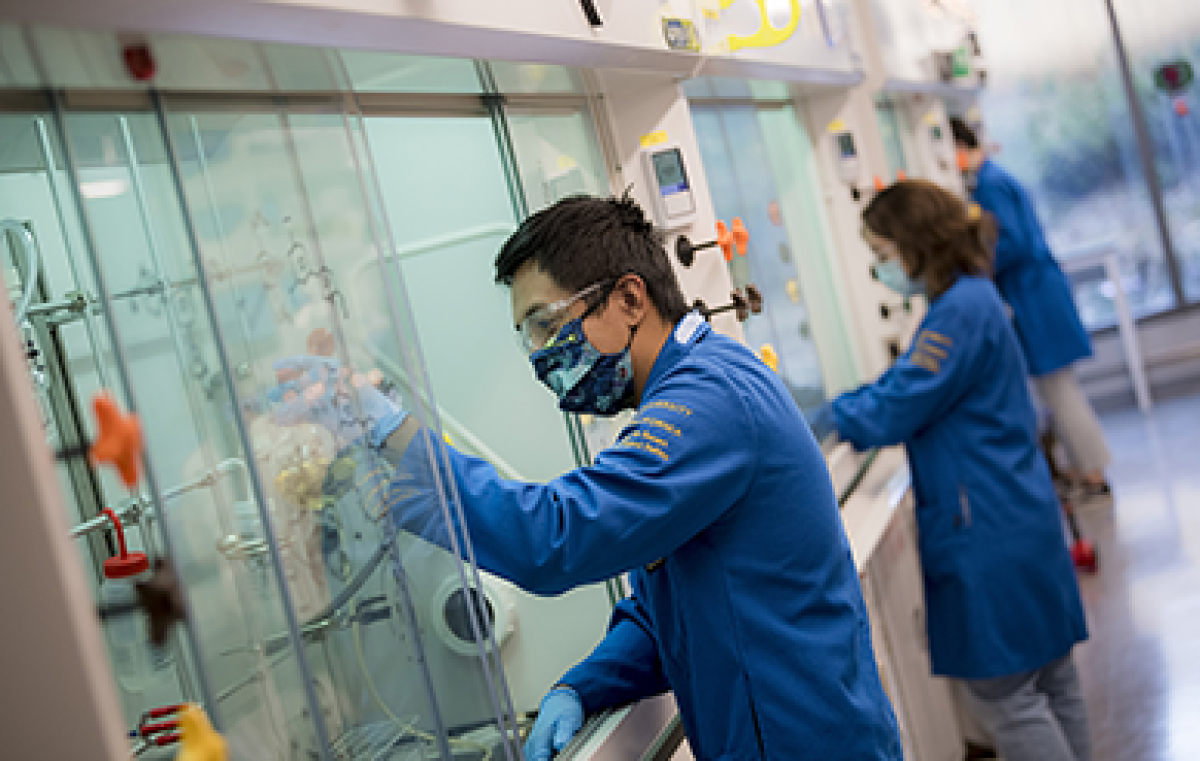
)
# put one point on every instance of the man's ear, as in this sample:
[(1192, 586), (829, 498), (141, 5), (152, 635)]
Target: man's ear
[(634, 298)]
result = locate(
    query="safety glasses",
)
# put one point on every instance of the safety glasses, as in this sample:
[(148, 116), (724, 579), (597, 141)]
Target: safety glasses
[(542, 324)]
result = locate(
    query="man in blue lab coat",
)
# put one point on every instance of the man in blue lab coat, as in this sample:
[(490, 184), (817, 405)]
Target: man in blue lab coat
[(715, 498), (1049, 329)]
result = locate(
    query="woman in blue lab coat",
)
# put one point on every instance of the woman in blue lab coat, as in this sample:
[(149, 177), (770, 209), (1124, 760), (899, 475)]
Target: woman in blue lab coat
[(1048, 327), (715, 500), (1003, 607)]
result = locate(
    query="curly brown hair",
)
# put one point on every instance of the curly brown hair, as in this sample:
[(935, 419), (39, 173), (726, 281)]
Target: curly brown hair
[(939, 237)]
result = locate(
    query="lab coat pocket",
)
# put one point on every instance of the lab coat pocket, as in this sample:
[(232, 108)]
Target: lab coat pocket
[(943, 536)]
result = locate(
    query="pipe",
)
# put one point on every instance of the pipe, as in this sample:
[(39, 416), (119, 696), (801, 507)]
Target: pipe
[(33, 263), (130, 509)]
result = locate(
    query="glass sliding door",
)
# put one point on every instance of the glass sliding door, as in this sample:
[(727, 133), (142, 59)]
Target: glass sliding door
[(1056, 110), (1163, 42), (759, 165), (209, 249), (488, 400)]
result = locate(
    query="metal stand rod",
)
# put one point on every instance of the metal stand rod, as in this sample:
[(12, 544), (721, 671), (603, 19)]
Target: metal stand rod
[(1127, 329)]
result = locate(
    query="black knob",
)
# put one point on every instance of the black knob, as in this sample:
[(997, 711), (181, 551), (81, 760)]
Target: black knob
[(685, 251)]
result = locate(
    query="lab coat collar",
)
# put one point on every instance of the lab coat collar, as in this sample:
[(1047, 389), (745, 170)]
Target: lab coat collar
[(687, 333)]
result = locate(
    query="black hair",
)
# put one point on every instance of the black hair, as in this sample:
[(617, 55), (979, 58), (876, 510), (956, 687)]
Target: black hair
[(963, 133), (584, 240)]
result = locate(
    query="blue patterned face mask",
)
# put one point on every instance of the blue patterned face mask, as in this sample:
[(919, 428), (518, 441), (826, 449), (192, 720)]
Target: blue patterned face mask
[(585, 379)]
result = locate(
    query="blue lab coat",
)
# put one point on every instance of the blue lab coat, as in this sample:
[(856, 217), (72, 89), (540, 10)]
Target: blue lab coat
[(746, 601), (1047, 324), (1000, 589)]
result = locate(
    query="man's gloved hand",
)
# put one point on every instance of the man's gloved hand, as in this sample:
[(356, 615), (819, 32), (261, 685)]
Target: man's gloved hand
[(347, 404), (822, 422), (559, 718)]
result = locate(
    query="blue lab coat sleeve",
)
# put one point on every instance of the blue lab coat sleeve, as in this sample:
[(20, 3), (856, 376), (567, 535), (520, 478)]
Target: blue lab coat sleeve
[(1014, 244), (918, 389), (1050, 331), (625, 666), (670, 474)]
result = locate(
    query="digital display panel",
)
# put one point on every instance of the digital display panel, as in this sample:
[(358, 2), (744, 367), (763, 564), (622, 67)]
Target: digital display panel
[(846, 145), (668, 170)]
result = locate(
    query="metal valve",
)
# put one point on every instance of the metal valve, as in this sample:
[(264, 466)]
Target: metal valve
[(742, 302)]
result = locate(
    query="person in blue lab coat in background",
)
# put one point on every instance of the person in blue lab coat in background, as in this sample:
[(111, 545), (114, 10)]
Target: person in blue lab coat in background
[(1003, 607), (1048, 326), (715, 498)]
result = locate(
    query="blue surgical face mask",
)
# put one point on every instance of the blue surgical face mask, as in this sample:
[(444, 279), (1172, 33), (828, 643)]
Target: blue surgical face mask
[(585, 379), (891, 273)]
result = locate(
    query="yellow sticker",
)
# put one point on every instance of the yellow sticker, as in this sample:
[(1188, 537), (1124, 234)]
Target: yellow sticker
[(449, 440), (565, 162), (657, 137), (710, 13), (837, 125), (769, 356), (793, 291)]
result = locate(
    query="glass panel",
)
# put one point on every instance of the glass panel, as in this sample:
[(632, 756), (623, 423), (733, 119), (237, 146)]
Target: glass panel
[(17, 68), (725, 87), (446, 253), (892, 132), (371, 71), (198, 63), (69, 362), (738, 164), (75, 58), (535, 78), (557, 155), (252, 233), (801, 201), (292, 261), (191, 448), (1056, 107), (1164, 50)]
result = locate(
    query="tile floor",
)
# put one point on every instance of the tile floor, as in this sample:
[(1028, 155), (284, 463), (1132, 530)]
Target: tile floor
[(1141, 668)]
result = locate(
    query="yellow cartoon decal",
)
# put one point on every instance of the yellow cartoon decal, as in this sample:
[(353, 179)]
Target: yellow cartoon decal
[(768, 35)]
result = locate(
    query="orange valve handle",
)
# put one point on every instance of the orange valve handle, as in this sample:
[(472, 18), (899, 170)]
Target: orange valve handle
[(879, 185), (119, 442), (685, 250), (741, 237)]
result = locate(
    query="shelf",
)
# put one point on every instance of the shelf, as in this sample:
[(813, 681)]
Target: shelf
[(932, 89)]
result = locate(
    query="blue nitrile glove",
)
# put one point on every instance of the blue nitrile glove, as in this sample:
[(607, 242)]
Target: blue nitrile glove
[(559, 718), (345, 403), (822, 422)]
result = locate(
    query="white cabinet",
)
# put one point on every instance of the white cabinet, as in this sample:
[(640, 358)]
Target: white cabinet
[(923, 703)]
